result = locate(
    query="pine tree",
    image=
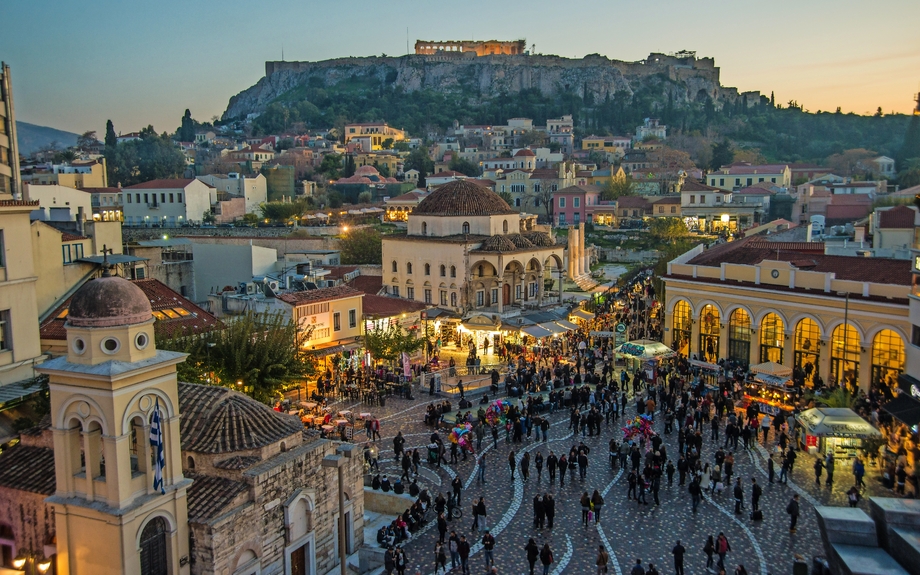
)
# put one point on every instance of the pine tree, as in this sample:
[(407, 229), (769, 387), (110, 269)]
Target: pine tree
[(911, 148), (772, 100), (110, 138)]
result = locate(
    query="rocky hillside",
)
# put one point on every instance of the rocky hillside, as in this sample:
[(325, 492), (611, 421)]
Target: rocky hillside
[(676, 79)]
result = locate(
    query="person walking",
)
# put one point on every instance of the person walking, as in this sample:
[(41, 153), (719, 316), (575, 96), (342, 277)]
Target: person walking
[(549, 507), (525, 466), (829, 469), (696, 493), (488, 547), (452, 542), (756, 492), (597, 502), (819, 467), (463, 549), (457, 486), (512, 463), (637, 568), (546, 558), (739, 496), (709, 549), (482, 468), (602, 560), (440, 557), (678, 551), (442, 527), (481, 512), (533, 553), (551, 462), (563, 465), (722, 548), (859, 470), (539, 511), (538, 463), (793, 510), (770, 470), (585, 508)]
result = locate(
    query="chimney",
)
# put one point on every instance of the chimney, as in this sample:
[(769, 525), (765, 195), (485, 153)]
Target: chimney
[(859, 235), (808, 231), (81, 220)]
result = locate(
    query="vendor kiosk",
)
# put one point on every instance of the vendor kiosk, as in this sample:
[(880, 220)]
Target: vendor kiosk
[(833, 430), (769, 386)]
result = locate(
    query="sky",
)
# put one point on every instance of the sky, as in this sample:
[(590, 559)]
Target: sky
[(76, 64)]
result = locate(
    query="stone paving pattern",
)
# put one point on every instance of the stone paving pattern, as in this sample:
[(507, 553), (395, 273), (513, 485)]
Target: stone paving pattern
[(629, 531)]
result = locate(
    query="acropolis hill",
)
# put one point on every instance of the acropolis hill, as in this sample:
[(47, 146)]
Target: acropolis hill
[(682, 77)]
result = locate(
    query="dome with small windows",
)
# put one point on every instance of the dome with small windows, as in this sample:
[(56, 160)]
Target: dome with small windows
[(108, 302), (540, 239), (463, 198)]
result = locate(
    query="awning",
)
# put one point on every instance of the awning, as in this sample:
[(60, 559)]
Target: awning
[(905, 409), (645, 349), (582, 314), (836, 422), (552, 327), (567, 324), (535, 331), (18, 391), (772, 368), (704, 365), (771, 379)]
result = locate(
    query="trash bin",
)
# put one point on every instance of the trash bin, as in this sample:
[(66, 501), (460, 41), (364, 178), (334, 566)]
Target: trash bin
[(820, 566)]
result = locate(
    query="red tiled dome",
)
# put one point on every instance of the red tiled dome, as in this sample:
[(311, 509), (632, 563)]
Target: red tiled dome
[(463, 198)]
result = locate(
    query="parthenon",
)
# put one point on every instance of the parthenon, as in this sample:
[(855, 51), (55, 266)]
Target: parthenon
[(483, 48)]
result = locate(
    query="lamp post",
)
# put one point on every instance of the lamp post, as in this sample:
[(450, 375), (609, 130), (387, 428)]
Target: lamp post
[(32, 562), (338, 462)]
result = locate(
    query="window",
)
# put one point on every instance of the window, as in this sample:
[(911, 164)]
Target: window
[(480, 298), (702, 199), (396, 291), (147, 199), (718, 199), (443, 297), (395, 267), (153, 548), (750, 181), (692, 199), (517, 202), (337, 321), (6, 334), (427, 269), (721, 182), (493, 297), (424, 228), (128, 196), (453, 299), (352, 318), (162, 197), (660, 209), (179, 197), (453, 271), (737, 181), (171, 197), (561, 202), (576, 202), (466, 227), (65, 250), (773, 180), (77, 251), (410, 292), (408, 267), (504, 228), (518, 291), (427, 295), (576, 218)]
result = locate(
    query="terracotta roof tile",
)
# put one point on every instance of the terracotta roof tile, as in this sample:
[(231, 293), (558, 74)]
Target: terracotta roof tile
[(68, 237), (28, 469), (383, 306), (163, 184), (367, 284), (632, 202), (318, 295), (238, 462), (695, 186), (219, 420), (463, 198), (897, 218), (209, 497)]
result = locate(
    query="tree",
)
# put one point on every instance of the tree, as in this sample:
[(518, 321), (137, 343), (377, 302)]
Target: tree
[(722, 154), (750, 155), (348, 170), (86, 140), (362, 246), (617, 187), (207, 217), (509, 199), (387, 143), (149, 158), (365, 197), (910, 175), (330, 166), (911, 147), (851, 162), (418, 160), (110, 138), (186, 131), (667, 228), (464, 166), (260, 351), (281, 211), (671, 165), (389, 342)]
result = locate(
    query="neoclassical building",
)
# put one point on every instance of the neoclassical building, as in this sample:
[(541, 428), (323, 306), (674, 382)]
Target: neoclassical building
[(757, 301), (467, 250), (244, 489)]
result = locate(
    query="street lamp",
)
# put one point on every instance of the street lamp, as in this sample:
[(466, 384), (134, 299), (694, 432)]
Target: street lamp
[(32, 562)]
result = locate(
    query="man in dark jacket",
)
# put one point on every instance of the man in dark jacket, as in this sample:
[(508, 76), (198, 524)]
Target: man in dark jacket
[(678, 553), (739, 496), (463, 549), (549, 509), (793, 510), (756, 492)]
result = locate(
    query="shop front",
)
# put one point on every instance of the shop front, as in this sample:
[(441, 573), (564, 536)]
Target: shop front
[(770, 387), (832, 430)]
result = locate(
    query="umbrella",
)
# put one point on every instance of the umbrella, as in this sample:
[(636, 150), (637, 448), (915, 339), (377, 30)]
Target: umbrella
[(322, 216), (355, 212)]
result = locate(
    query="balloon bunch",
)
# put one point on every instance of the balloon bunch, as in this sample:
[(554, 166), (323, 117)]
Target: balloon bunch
[(496, 412), (461, 436), (640, 427)]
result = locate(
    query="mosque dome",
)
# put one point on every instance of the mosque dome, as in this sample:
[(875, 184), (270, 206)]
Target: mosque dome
[(463, 198), (108, 302)]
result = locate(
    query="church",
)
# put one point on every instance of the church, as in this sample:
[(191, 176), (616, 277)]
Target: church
[(136, 473)]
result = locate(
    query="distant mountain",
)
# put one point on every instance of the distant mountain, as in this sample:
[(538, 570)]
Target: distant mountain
[(32, 137)]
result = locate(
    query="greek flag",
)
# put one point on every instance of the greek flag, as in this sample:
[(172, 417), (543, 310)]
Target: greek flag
[(156, 441)]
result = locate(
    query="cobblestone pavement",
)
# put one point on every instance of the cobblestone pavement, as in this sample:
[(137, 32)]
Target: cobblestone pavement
[(628, 530)]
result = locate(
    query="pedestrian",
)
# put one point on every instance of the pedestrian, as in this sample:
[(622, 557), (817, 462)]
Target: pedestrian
[(463, 549), (440, 557), (770, 471), (859, 470), (512, 464), (722, 548), (525, 466), (401, 561), (709, 549), (482, 468), (533, 553), (389, 561), (740, 570), (585, 507), (829, 468), (637, 568), (678, 552), (457, 486), (696, 492), (597, 502), (756, 492), (549, 507), (853, 496), (819, 467), (442, 527), (546, 558), (551, 463), (651, 570), (488, 546), (452, 545), (481, 513), (602, 560), (563, 465), (538, 462), (539, 512), (739, 496), (793, 510), (670, 472)]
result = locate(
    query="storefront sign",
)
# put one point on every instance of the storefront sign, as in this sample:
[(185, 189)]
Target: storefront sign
[(621, 328), (811, 441)]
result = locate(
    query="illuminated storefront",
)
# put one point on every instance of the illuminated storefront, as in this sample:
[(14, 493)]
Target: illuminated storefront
[(771, 339), (739, 336)]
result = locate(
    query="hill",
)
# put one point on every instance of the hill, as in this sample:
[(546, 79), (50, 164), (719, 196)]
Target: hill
[(32, 137)]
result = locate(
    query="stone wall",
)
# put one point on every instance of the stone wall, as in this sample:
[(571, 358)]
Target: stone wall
[(31, 520)]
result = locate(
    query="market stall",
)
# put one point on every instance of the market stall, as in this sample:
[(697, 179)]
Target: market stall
[(824, 430), (644, 355), (770, 386), (707, 372)]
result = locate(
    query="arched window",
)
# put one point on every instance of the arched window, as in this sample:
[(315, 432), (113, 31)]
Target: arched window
[(505, 227), (153, 548), (466, 227), (443, 270), (453, 299), (395, 267), (408, 267), (772, 337), (427, 269), (681, 327), (190, 463), (739, 336), (481, 269), (453, 271), (887, 358), (807, 352), (709, 333), (845, 355), (424, 228)]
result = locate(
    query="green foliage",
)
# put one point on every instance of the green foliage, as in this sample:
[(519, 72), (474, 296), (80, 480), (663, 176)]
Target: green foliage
[(910, 149), (722, 154), (839, 397), (669, 251), (186, 131), (111, 139), (331, 166), (348, 170), (361, 246), (207, 217), (282, 211), (389, 342), (87, 139), (667, 228), (387, 143), (365, 197), (260, 350), (464, 166), (617, 188), (149, 158), (506, 196)]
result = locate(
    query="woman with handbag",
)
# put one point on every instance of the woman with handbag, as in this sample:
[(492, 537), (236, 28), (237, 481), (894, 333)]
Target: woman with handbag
[(546, 558)]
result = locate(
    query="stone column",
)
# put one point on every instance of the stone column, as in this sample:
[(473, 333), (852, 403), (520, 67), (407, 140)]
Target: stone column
[(571, 255), (587, 260), (579, 253)]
